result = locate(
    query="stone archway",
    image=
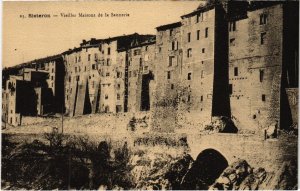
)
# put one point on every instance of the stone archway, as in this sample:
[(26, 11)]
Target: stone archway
[(208, 166)]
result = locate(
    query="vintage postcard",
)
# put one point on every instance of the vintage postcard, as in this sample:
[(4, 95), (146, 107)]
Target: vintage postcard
[(150, 95)]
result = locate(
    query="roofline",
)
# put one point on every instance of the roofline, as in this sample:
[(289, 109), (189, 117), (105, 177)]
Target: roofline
[(199, 10), (169, 26)]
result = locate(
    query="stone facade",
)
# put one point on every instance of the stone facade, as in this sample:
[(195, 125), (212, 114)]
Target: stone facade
[(97, 75), (233, 59), (231, 64)]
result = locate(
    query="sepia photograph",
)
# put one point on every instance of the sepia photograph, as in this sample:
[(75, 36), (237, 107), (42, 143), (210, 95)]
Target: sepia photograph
[(150, 95)]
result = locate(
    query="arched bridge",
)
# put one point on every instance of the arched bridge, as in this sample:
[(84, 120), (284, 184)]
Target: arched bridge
[(251, 147)]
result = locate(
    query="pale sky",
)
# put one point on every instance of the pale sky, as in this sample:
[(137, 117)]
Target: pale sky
[(32, 38)]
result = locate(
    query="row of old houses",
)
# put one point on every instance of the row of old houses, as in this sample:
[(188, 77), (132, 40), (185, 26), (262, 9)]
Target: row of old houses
[(235, 59)]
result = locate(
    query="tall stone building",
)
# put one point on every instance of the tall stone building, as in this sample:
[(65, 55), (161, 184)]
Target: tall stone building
[(35, 89), (263, 40), (232, 59), (96, 78), (140, 74), (82, 78)]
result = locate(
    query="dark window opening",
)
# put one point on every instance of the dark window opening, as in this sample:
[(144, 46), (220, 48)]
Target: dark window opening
[(206, 32), (108, 51), (263, 19), (263, 38), (261, 75), (173, 45), (189, 53), (198, 34), (189, 37), (230, 89), (263, 97), (169, 75), (197, 18), (236, 71), (201, 98), (189, 76), (172, 86)]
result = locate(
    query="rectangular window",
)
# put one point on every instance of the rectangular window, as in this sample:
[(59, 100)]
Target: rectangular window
[(171, 32), (201, 98), (263, 19), (198, 34), (94, 66), (236, 71), (203, 50), (197, 18), (89, 57), (232, 42), (261, 75), (189, 76), (173, 45), (171, 60), (206, 32), (232, 26), (230, 89), (108, 51), (189, 37), (169, 75), (202, 73), (172, 86), (108, 62), (189, 53), (263, 97), (107, 74), (262, 38)]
